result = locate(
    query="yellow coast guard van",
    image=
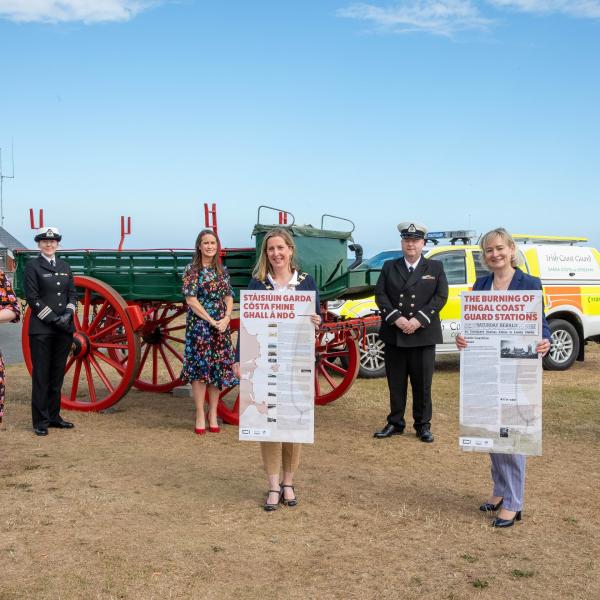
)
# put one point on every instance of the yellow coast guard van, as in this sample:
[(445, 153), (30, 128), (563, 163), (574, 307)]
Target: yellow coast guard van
[(570, 273)]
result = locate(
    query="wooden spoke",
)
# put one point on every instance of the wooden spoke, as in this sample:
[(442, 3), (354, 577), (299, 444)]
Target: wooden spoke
[(73, 396)]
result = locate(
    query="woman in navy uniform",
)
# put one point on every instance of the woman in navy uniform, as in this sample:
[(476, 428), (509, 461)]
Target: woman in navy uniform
[(499, 255), (410, 293), (52, 299)]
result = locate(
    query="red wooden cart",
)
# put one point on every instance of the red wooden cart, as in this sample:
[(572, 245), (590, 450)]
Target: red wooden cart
[(130, 317)]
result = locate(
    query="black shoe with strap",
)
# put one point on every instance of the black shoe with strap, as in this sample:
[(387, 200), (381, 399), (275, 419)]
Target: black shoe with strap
[(291, 502), (271, 507)]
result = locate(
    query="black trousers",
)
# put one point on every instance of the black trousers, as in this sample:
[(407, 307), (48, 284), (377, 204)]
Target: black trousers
[(49, 353), (416, 364)]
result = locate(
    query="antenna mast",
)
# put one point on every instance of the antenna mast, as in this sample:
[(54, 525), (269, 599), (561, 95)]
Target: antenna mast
[(3, 177)]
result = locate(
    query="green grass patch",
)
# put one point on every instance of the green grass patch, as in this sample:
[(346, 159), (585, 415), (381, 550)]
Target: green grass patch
[(524, 574)]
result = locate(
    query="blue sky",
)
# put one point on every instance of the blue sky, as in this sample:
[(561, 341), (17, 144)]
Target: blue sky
[(455, 113)]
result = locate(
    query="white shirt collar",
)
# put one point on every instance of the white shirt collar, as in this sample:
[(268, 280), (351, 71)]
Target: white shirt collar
[(413, 265), (292, 283), (48, 258)]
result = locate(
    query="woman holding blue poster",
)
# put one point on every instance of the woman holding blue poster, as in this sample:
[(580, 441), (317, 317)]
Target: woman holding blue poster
[(277, 269), (499, 255)]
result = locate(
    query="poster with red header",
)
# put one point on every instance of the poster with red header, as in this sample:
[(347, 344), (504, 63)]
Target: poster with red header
[(277, 366), (501, 373)]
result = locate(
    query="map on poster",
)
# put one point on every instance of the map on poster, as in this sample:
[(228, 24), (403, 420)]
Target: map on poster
[(277, 363), (501, 373)]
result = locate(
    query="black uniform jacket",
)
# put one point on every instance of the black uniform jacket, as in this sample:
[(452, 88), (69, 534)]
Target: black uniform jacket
[(49, 292), (421, 294)]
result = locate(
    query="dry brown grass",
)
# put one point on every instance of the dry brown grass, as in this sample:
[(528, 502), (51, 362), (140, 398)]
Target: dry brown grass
[(131, 504)]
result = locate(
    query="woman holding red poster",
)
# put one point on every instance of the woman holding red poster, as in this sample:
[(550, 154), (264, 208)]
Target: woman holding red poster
[(499, 255)]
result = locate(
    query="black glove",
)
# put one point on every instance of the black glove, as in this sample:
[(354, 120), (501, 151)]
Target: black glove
[(64, 322)]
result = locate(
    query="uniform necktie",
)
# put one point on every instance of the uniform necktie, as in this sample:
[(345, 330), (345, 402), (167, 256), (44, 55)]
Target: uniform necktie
[(52, 263), (411, 269)]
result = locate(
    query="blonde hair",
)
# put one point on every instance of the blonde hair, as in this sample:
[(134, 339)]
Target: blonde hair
[(263, 266), (500, 232)]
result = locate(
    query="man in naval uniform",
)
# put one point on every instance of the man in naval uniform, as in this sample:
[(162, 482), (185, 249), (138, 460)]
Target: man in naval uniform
[(410, 293), (52, 299)]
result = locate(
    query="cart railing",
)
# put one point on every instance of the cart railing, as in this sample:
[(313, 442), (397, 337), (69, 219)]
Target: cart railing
[(157, 274), (142, 274)]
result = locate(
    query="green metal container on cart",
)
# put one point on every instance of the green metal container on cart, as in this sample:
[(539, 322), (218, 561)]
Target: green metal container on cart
[(323, 253)]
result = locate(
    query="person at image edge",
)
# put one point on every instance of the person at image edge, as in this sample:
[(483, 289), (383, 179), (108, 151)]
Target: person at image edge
[(52, 299)]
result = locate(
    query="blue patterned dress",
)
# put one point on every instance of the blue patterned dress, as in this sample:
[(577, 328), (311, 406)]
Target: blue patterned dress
[(208, 355)]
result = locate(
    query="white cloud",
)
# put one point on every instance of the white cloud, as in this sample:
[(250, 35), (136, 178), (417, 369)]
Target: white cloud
[(438, 17), (585, 9), (60, 11), (447, 17)]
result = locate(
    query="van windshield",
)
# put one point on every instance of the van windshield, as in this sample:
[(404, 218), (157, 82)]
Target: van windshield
[(376, 262)]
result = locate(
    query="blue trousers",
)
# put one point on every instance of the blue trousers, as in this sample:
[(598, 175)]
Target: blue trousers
[(508, 475)]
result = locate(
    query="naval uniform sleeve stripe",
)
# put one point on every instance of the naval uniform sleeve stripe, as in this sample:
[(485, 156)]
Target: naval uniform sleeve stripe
[(394, 311), (422, 313), (44, 312)]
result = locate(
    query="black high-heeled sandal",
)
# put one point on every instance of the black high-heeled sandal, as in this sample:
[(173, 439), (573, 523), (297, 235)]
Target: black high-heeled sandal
[(271, 507), (507, 522), (284, 500), (489, 507)]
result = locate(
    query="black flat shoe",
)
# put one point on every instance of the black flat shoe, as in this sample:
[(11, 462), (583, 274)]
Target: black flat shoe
[(62, 424), (271, 507), (507, 522), (388, 431), (489, 507), (40, 431), (284, 500)]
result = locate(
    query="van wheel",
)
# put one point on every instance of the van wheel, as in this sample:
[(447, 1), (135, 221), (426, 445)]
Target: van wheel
[(565, 346), (372, 354)]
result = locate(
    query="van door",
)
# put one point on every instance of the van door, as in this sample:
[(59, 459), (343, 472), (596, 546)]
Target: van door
[(455, 267)]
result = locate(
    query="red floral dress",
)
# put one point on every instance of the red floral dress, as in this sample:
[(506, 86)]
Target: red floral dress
[(7, 300)]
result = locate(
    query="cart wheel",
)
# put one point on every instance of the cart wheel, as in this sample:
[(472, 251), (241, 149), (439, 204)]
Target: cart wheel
[(229, 399), (93, 379), (162, 339), (333, 378)]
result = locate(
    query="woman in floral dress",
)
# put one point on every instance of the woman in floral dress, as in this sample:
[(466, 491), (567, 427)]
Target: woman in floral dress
[(9, 313), (208, 355)]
